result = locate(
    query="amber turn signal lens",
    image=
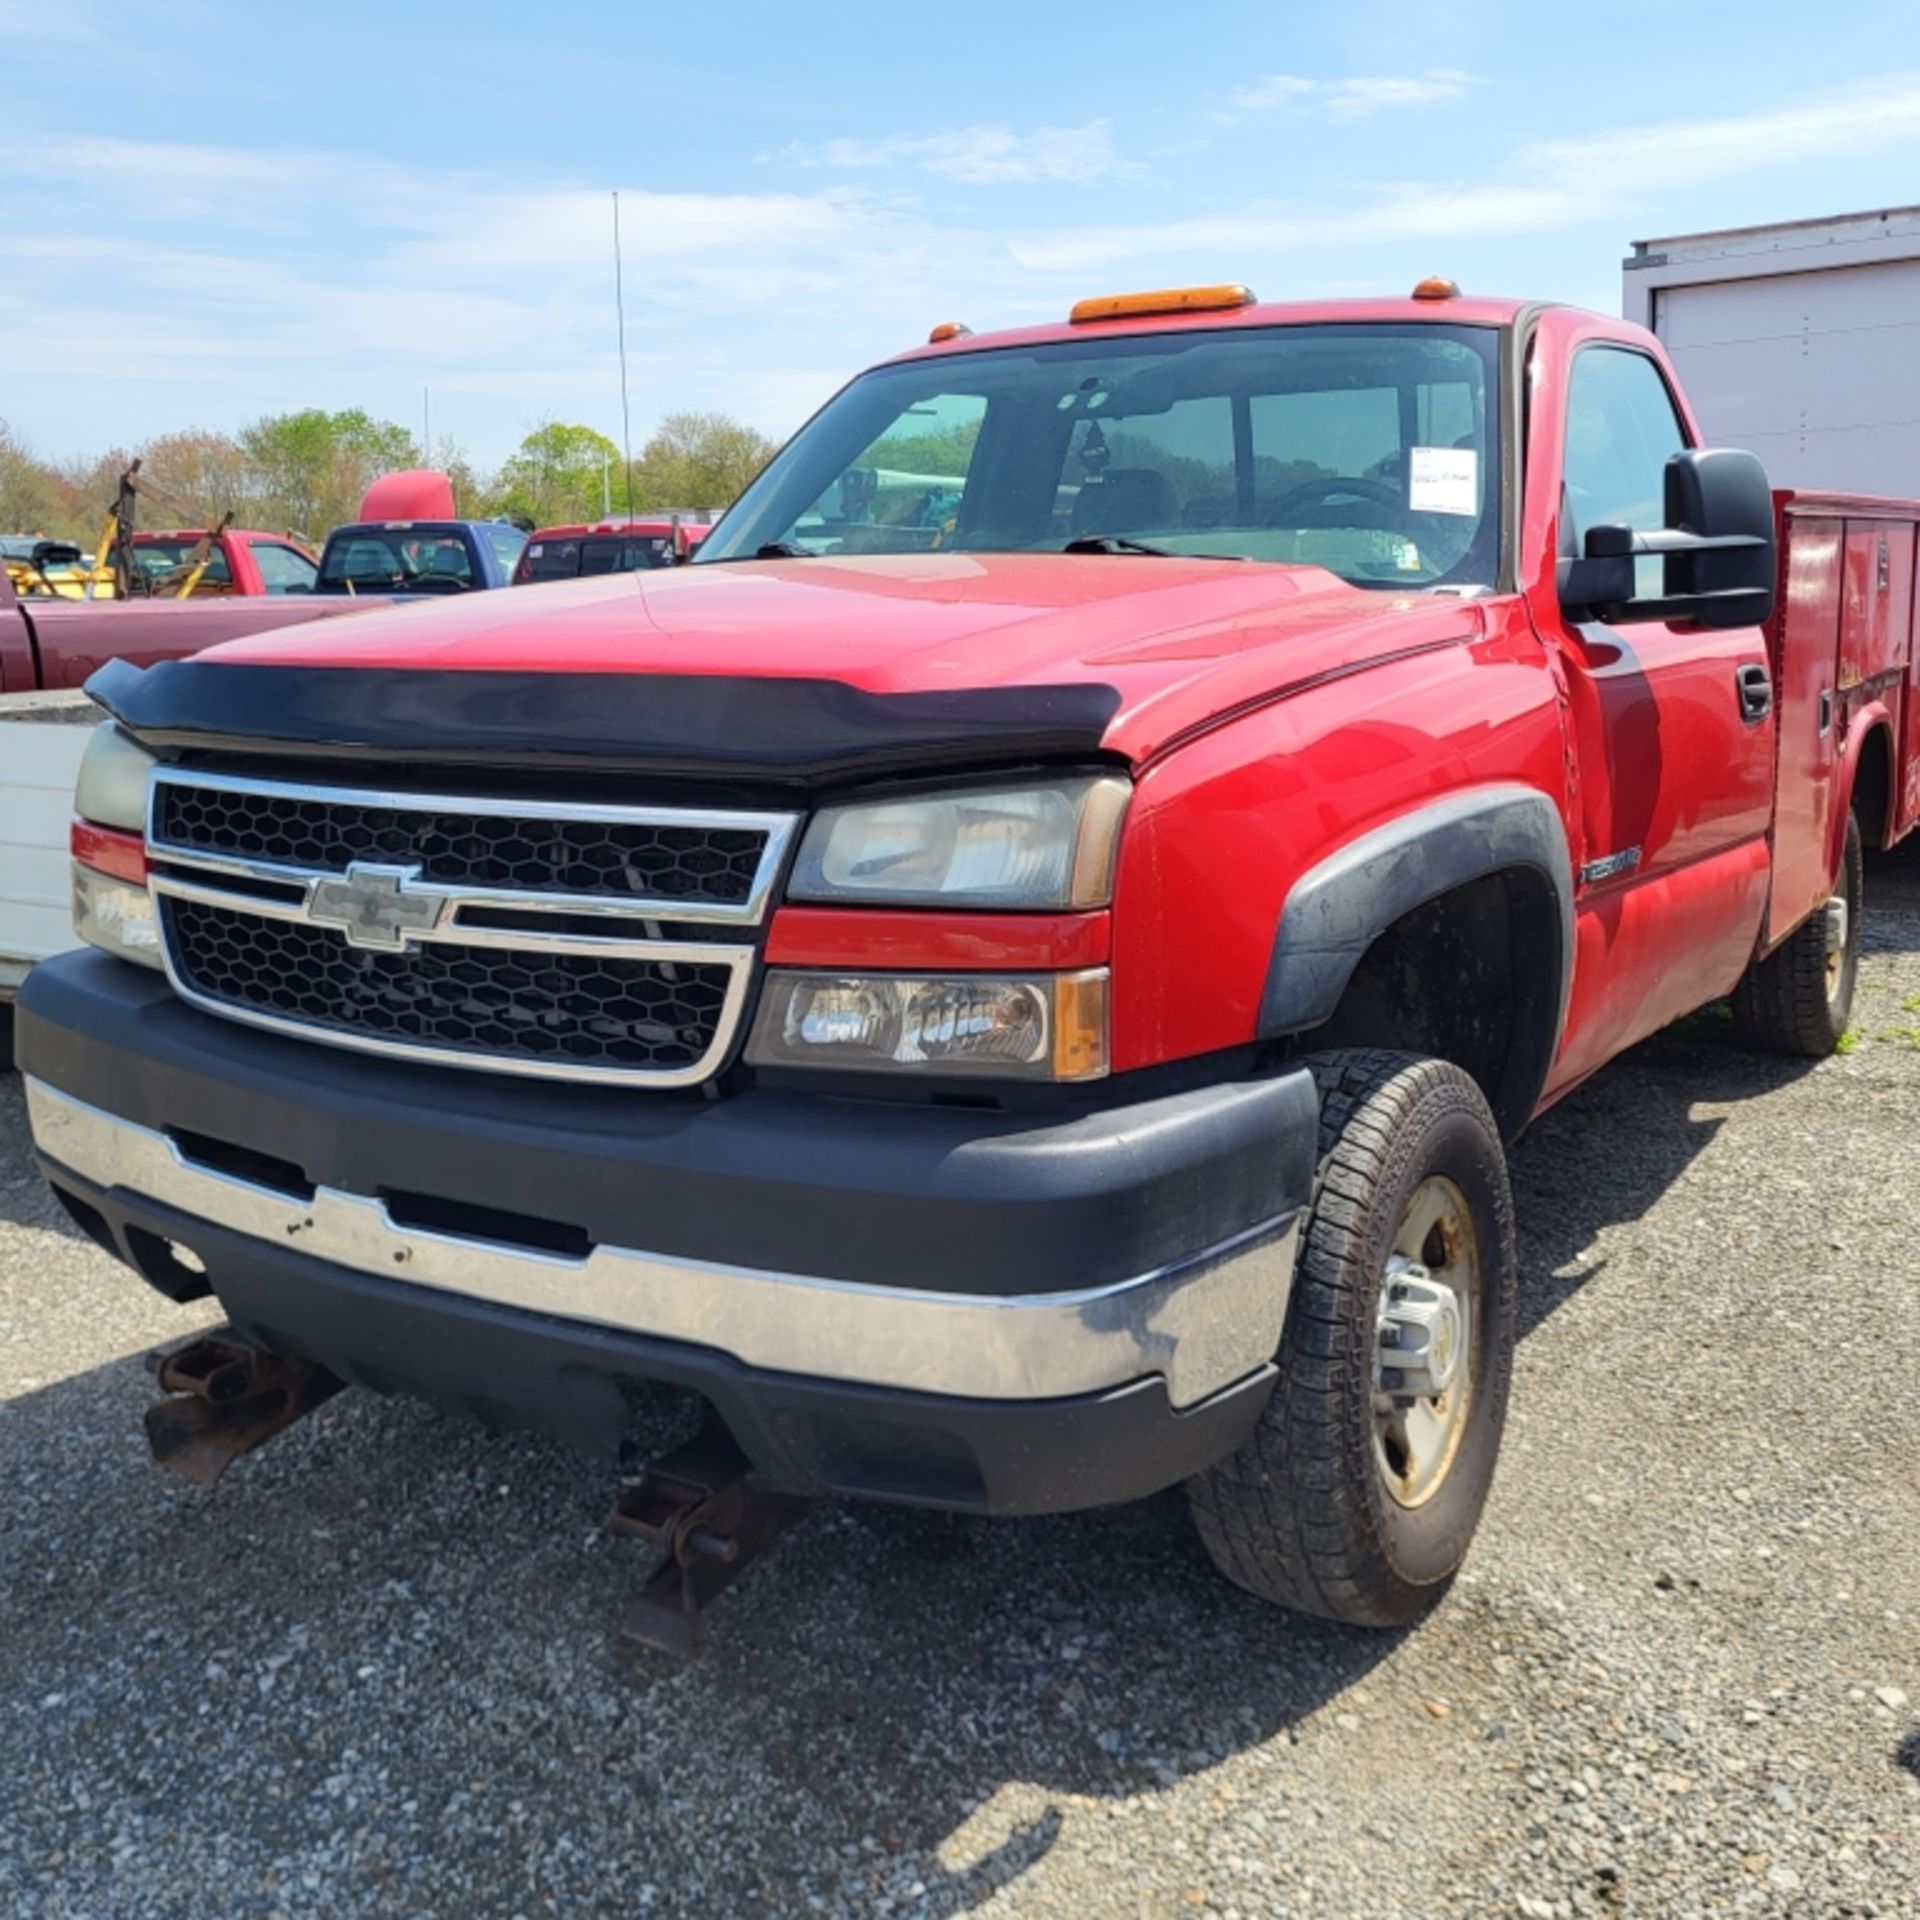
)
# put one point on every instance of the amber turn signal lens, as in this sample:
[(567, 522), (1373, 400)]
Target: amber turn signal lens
[(1121, 306), (1080, 1025)]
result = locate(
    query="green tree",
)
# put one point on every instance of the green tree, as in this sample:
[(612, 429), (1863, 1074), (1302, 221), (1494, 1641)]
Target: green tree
[(949, 452), (190, 479), (699, 460), (313, 466), (559, 473), (34, 498)]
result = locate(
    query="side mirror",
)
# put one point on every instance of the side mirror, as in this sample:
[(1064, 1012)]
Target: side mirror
[(1718, 546)]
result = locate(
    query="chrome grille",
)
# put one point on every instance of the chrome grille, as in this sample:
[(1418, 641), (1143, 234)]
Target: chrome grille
[(522, 852), (568, 940)]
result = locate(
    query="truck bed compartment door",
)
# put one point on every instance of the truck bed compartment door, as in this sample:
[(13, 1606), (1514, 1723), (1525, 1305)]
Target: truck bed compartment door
[(1878, 601), (1906, 780), (1806, 642)]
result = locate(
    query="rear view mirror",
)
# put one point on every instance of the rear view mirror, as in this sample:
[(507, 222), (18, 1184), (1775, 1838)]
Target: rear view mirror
[(1718, 546)]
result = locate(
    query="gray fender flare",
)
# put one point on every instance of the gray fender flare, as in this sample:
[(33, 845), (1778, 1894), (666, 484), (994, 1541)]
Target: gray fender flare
[(1338, 908)]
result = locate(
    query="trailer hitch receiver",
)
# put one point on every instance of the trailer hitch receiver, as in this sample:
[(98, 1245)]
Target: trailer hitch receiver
[(223, 1399), (699, 1509)]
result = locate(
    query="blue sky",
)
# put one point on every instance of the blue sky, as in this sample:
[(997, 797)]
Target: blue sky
[(218, 210)]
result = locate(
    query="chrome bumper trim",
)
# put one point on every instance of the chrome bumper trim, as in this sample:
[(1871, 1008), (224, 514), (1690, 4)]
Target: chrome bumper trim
[(1202, 1323)]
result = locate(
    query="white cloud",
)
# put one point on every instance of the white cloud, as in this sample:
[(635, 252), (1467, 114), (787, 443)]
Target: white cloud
[(1391, 213), (1691, 152), (1545, 185), (981, 156), (1353, 98), (1364, 94), (235, 283), (1276, 90), (328, 281)]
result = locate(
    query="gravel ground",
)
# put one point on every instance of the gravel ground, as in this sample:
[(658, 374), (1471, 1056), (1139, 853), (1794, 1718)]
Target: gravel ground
[(374, 1673)]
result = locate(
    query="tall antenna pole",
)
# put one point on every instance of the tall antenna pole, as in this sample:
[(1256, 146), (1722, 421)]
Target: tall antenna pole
[(620, 308), (426, 424)]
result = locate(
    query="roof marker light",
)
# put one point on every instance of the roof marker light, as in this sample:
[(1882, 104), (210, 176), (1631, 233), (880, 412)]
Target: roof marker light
[(1436, 286), (1121, 306), (948, 330)]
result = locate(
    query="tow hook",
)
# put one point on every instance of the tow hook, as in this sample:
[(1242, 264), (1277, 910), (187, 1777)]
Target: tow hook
[(699, 1509), (223, 1399)]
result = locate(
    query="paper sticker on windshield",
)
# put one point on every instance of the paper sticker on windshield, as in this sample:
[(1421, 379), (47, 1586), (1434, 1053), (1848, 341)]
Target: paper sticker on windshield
[(1443, 480)]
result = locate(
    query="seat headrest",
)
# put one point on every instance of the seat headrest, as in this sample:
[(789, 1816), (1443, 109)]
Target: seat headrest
[(1124, 500)]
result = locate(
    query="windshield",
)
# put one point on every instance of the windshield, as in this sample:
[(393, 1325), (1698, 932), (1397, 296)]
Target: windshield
[(159, 558), (395, 560), (1367, 450), (567, 558)]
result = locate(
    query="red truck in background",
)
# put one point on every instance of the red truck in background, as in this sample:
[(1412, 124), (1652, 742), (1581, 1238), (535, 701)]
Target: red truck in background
[(48, 644), (608, 546), (238, 560), (1012, 991)]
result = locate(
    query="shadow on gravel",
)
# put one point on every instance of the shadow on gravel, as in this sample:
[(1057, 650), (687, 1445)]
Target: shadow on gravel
[(1614, 1146), (391, 1599), (444, 1604), (383, 1651), (1893, 899)]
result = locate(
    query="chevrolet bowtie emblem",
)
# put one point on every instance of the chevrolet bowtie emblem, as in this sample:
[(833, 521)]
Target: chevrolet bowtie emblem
[(382, 909)]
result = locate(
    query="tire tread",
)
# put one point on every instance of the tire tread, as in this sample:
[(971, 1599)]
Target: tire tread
[(1290, 1517)]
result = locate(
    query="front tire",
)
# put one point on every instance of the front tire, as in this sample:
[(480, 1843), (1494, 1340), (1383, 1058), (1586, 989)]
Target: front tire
[(1359, 1491), (1799, 999)]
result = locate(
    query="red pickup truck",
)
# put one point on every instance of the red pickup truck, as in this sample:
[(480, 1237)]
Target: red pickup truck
[(240, 560), (608, 546), (1012, 991), (47, 644)]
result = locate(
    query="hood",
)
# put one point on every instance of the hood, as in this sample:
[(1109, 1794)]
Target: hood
[(1170, 643)]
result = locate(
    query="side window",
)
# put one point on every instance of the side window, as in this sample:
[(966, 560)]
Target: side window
[(903, 493), (507, 544), (553, 559), (1621, 431), (283, 569)]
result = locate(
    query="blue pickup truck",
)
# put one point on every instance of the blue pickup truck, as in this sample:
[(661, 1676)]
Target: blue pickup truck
[(419, 556)]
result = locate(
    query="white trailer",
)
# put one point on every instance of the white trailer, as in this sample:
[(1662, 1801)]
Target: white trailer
[(1800, 342), (42, 736)]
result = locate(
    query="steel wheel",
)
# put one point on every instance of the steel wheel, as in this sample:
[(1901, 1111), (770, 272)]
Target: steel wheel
[(1423, 1355), (1839, 922)]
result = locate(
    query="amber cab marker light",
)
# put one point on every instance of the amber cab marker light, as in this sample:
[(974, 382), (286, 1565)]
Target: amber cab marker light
[(948, 330), (1436, 286), (1122, 306)]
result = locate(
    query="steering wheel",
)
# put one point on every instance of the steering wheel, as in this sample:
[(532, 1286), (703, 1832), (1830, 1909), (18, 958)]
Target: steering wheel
[(1314, 503)]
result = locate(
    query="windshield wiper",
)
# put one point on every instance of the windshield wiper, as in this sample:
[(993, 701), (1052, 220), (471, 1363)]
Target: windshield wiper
[(1120, 543), (782, 550), (1116, 543)]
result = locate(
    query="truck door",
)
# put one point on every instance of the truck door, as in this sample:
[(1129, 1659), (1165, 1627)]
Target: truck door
[(1807, 631), (1673, 740)]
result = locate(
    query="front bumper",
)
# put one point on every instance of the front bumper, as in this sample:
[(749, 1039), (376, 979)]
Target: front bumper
[(965, 1307)]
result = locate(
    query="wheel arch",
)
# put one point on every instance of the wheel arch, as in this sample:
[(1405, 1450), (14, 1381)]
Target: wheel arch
[(1867, 783), (1500, 846)]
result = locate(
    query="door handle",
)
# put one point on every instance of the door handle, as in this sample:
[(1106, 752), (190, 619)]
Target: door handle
[(1756, 693)]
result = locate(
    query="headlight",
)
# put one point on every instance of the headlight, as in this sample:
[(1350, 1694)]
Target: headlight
[(112, 788), (1047, 1027), (1021, 848), (116, 915)]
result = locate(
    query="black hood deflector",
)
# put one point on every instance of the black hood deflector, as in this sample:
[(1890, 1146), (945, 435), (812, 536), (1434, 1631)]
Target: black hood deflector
[(730, 727)]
